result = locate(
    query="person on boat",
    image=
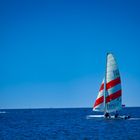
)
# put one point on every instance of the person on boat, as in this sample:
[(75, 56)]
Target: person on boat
[(127, 117), (107, 115), (116, 114)]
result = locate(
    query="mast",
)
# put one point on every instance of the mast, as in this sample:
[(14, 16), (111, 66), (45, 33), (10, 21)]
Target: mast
[(105, 86)]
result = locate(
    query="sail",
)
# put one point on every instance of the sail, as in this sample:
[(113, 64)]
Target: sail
[(113, 85), (113, 88), (99, 103)]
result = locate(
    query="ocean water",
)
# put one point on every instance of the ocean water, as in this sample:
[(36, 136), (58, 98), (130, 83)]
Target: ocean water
[(66, 124)]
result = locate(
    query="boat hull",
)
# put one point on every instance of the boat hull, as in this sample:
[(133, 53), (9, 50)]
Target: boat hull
[(111, 117)]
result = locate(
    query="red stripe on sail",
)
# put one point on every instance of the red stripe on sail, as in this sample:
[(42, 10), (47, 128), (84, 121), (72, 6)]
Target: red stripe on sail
[(102, 87), (111, 84), (99, 101), (113, 96)]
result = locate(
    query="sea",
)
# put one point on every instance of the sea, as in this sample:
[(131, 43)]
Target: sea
[(67, 124)]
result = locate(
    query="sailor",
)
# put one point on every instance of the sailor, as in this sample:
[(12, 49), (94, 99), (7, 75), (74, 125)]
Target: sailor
[(116, 114), (107, 115), (127, 117)]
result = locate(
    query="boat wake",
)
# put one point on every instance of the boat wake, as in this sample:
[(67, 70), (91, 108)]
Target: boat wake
[(2, 112), (134, 119)]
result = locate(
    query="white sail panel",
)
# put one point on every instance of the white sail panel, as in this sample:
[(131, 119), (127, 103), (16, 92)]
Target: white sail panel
[(113, 85), (99, 103)]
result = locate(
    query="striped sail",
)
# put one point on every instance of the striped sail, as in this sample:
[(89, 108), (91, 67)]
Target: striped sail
[(113, 89), (113, 86), (99, 103)]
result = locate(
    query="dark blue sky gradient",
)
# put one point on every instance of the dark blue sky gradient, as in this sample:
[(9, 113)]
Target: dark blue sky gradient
[(52, 53)]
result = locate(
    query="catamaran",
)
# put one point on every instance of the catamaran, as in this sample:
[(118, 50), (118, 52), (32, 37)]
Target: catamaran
[(109, 99)]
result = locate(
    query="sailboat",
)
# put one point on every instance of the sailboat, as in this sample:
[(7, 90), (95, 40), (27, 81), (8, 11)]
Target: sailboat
[(109, 99)]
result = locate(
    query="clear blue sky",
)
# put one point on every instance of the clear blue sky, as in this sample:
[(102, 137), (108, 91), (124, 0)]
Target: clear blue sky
[(52, 53)]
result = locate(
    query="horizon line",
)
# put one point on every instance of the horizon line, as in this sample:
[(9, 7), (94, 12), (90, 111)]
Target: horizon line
[(56, 108)]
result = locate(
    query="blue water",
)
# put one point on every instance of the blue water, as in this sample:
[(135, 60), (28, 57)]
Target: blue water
[(66, 124)]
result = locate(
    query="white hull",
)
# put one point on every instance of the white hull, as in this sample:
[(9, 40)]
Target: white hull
[(111, 117)]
